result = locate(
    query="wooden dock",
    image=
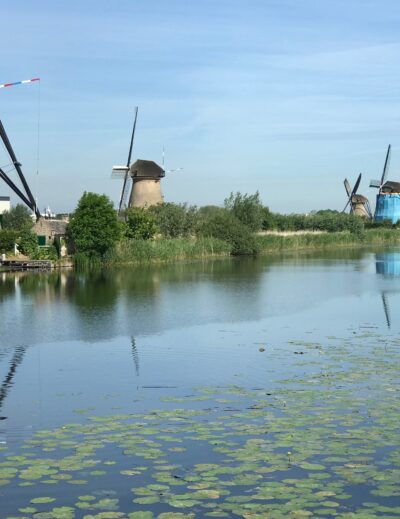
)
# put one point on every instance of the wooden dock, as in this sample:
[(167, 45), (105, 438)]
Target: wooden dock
[(26, 264)]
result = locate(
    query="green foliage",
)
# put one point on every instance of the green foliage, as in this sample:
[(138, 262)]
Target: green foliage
[(19, 217), (384, 224), (27, 243), (94, 226), (326, 220), (246, 208), (224, 225), (175, 220), (45, 253), (7, 239), (140, 224)]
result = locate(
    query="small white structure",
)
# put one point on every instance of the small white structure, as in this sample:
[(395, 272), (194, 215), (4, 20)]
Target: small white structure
[(5, 204)]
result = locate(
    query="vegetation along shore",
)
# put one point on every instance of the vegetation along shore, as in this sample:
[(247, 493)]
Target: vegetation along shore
[(176, 232)]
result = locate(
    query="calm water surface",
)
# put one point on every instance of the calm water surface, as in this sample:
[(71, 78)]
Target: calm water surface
[(243, 388)]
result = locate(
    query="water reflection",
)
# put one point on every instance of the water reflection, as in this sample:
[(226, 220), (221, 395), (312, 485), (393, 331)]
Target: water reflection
[(98, 306), (8, 379), (388, 266), (135, 355)]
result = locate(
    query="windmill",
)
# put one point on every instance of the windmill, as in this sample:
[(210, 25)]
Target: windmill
[(142, 178), (388, 197), (359, 204)]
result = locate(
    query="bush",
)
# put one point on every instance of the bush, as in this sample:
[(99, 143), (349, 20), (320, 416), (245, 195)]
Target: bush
[(225, 226), (175, 220), (326, 220), (27, 243), (246, 208), (8, 238), (94, 227), (19, 217), (140, 224)]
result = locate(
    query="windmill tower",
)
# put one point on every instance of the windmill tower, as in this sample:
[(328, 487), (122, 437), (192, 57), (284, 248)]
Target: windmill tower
[(388, 197), (359, 204), (142, 179)]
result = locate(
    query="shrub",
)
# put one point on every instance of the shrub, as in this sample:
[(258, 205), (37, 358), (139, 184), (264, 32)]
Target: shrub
[(27, 243), (140, 224), (175, 220), (8, 238), (94, 227), (225, 226), (246, 208), (326, 220)]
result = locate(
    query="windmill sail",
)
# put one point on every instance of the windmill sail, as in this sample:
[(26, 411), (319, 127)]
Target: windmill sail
[(126, 183), (26, 197)]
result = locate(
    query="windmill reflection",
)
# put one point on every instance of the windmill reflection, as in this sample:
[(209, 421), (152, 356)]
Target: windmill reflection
[(387, 265), (135, 355), (8, 380)]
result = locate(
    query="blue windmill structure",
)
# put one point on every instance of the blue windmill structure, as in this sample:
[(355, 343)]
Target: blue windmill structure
[(388, 198)]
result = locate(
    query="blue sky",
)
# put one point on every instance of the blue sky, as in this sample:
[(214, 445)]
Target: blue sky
[(286, 97)]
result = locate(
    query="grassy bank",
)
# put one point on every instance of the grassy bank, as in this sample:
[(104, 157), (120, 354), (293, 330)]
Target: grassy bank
[(277, 243), (136, 252), (166, 250)]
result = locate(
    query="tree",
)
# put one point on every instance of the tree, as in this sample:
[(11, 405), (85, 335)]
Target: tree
[(19, 217), (246, 208), (94, 226), (140, 224), (225, 226), (175, 220), (8, 237)]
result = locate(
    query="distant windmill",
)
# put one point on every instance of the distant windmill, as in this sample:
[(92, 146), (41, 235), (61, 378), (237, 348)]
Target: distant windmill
[(144, 176), (388, 197), (359, 204)]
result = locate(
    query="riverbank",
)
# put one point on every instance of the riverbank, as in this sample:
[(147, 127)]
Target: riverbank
[(145, 252), (272, 243), (134, 252)]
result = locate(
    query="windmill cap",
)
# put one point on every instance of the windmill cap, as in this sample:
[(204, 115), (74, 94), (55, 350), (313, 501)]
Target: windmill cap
[(146, 169)]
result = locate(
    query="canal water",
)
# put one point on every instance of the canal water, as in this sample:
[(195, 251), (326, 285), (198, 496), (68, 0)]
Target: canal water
[(247, 388)]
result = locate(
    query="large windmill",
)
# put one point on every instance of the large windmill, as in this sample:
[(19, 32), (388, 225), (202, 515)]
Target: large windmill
[(388, 197), (359, 204), (142, 179), (23, 192)]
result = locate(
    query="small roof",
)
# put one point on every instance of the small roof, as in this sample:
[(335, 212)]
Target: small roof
[(359, 199), (4, 198), (391, 187), (146, 169)]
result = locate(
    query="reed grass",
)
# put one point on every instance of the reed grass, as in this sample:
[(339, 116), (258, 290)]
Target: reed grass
[(279, 243), (166, 250)]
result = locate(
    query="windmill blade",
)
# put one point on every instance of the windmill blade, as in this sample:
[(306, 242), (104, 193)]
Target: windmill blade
[(356, 185), (347, 186), (375, 183), (345, 207), (173, 170), (16, 190), (369, 211), (128, 164), (17, 166), (386, 166)]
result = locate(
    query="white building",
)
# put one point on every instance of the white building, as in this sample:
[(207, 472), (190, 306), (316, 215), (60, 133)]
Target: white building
[(4, 204)]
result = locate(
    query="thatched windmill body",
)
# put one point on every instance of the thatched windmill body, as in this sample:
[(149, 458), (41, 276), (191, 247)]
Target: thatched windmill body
[(359, 204), (388, 197)]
